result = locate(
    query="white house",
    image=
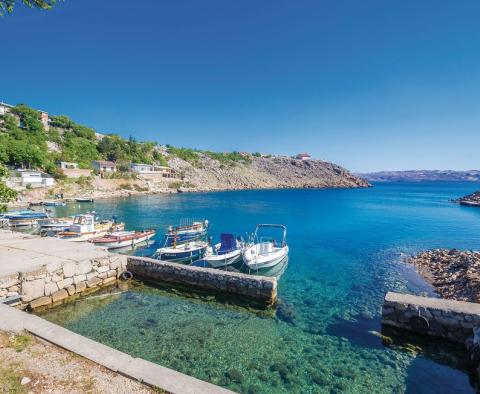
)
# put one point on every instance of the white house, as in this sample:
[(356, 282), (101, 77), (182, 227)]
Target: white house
[(5, 108), (142, 168), (150, 170), (303, 156), (34, 178), (104, 166)]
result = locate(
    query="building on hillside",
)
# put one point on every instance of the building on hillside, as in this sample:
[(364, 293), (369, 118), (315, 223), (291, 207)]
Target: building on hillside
[(303, 156), (65, 165), (5, 108), (148, 169), (141, 168), (45, 120), (33, 178), (104, 166)]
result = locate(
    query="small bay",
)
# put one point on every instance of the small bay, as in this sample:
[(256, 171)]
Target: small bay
[(346, 251)]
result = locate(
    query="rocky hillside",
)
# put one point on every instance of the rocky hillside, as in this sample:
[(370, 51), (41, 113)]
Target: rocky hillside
[(261, 173)]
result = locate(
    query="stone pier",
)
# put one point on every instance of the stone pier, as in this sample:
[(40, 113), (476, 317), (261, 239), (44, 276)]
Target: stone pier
[(261, 289), (457, 321), (37, 272)]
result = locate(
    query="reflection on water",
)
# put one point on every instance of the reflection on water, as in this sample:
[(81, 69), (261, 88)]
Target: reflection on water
[(346, 251)]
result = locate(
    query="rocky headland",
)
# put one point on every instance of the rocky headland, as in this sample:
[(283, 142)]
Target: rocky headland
[(272, 172), (455, 274), (471, 200)]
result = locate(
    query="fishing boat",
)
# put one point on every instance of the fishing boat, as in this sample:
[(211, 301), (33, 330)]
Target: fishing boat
[(184, 253), (54, 224), (122, 239), (24, 218), (227, 252), (84, 228), (84, 199), (54, 204), (265, 251), (189, 230)]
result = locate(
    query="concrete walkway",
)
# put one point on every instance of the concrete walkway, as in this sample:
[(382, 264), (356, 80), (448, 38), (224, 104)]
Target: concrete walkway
[(154, 375), (24, 253)]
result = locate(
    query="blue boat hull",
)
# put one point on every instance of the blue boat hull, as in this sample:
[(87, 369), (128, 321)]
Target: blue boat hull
[(182, 257), (183, 238)]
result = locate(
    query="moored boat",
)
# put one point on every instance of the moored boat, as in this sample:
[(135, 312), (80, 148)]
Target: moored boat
[(122, 239), (265, 252), (184, 253), (54, 224), (189, 230), (54, 204), (84, 199), (84, 228), (24, 218), (227, 252)]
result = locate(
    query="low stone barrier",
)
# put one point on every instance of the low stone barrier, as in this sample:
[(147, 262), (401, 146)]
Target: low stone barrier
[(55, 282), (260, 288), (457, 321)]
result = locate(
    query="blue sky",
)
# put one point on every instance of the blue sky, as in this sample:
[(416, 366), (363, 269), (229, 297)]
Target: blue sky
[(371, 85)]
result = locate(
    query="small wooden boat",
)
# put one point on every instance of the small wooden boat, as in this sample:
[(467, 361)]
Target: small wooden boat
[(227, 252), (185, 253), (122, 239), (84, 199), (264, 252)]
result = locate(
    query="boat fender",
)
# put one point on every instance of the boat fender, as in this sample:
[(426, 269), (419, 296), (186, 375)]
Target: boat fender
[(126, 275)]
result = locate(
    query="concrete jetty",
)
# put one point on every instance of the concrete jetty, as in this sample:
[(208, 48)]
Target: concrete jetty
[(40, 271), (151, 374)]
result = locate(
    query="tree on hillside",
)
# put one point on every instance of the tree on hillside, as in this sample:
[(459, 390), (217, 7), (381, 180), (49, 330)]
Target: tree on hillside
[(6, 194), (7, 6)]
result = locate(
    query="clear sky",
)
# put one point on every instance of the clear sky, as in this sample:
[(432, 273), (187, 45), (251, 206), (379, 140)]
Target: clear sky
[(371, 85)]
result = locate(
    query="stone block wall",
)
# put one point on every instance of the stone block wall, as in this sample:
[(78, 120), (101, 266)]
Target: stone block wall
[(53, 283), (453, 320), (260, 288)]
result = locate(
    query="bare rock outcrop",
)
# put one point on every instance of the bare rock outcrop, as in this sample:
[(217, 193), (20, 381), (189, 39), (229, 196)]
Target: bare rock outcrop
[(471, 200), (454, 273), (262, 173)]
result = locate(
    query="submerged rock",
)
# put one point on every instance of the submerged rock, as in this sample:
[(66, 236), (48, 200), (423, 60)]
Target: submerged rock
[(285, 312)]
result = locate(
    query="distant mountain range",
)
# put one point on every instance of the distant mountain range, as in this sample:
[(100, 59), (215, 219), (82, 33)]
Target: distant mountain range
[(422, 176)]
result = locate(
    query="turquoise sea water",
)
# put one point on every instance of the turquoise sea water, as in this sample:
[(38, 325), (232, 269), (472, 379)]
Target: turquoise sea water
[(346, 250)]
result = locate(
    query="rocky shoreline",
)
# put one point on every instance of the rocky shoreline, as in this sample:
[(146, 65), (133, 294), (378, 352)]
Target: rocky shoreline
[(210, 175), (471, 200), (455, 274)]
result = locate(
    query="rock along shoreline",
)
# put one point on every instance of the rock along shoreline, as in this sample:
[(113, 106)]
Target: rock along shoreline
[(455, 274)]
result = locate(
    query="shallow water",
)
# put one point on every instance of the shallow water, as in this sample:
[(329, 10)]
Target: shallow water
[(346, 250)]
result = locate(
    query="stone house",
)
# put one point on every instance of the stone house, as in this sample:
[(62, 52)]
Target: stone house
[(104, 166), (304, 156)]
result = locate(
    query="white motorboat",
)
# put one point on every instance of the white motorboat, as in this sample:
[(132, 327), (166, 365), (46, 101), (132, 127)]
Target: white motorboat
[(85, 228), (265, 252), (227, 252)]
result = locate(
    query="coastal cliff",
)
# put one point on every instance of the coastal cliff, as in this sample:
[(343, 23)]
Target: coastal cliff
[(262, 173)]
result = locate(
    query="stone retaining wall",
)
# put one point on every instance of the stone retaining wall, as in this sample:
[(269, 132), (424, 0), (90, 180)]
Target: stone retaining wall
[(52, 283), (454, 320), (259, 288)]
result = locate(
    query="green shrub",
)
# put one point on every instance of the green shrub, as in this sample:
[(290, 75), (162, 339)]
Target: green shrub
[(175, 185), (125, 186)]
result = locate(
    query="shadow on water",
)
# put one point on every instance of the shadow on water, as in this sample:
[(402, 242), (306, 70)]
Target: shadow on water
[(446, 359)]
